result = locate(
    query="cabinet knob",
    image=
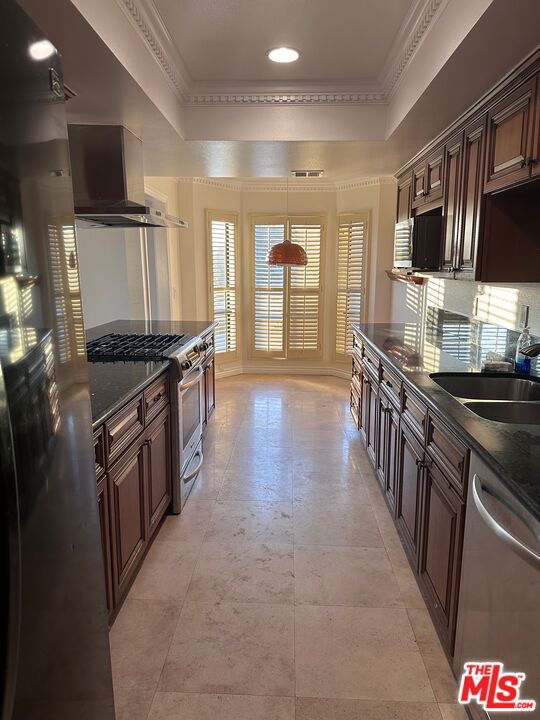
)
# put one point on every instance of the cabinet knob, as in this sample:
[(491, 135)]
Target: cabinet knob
[(529, 161)]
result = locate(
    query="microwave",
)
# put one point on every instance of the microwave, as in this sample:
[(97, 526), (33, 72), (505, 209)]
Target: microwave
[(418, 242)]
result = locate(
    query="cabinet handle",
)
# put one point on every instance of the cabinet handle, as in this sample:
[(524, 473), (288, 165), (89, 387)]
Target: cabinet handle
[(529, 161), (148, 442)]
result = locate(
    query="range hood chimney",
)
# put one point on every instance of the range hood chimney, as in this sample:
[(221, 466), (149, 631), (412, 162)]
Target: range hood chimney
[(108, 180)]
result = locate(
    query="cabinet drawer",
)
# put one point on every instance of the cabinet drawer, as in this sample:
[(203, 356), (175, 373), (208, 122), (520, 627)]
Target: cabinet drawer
[(391, 384), (448, 451), (156, 397), (413, 411), (371, 361), (99, 452), (124, 427)]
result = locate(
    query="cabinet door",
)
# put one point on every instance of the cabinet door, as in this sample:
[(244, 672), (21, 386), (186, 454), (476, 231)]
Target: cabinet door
[(434, 176), (373, 422), (381, 411), (104, 525), (404, 189), (391, 451), (452, 205), (511, 137), (535, 159), (158, 443), (443, 515), (365, 401), (419, 191), (128, 514), (472, 196), (409, 491)]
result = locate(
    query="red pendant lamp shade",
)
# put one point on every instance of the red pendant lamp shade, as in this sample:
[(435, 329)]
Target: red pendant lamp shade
[(287, 253)]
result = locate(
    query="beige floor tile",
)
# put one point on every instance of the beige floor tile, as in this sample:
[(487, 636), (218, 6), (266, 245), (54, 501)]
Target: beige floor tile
[(166, 571), (243, 573), (209, 482), (195, 706), (241, 649), (451, 711), (257, 522), (332, 709), (271, 480), (335, 524), (410, 594), (323, 488), (364, 653), (132, 703), (140, 638), (440, 675), (355, 576), (422, 625), (191, 525)]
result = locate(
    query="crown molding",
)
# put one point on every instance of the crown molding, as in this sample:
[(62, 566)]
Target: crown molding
[(413, 31), (146, 19), (267, 185)]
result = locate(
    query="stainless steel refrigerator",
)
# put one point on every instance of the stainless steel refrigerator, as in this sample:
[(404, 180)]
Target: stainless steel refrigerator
[(54, 647)]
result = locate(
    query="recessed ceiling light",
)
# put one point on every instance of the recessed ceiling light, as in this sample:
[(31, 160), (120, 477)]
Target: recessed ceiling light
[(283, 55), (41, 50)]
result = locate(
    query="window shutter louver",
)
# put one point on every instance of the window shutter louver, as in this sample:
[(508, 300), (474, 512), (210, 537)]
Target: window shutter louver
[(222, 257), (287, 300), (352, 246)]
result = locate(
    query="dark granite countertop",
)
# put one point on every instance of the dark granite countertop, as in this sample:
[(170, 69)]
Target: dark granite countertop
[(453, 343), (113, 384)]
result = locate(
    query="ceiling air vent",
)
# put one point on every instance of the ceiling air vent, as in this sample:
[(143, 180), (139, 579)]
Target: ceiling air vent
[(307, 173)]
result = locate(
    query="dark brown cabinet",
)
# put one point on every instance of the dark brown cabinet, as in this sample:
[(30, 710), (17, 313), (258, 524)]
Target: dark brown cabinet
[(410, 462), (158, 444), (442, 537), (391, 439), (452, 202), (472, 196), (404, 200), (419, 184), (427, 179), (105, 531), (369, 414), (129, 520), (511, 135)]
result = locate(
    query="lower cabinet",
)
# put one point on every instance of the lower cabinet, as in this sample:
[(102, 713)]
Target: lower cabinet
[(421, 466), (105, 531), (409, 491), (440, 557), (129, 524), (158, 444)]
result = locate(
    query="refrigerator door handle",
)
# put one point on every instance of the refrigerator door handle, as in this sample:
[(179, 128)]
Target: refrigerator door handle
[(520, 548)]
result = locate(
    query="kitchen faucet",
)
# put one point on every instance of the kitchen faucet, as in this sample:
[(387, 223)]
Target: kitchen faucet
[(531, 350)]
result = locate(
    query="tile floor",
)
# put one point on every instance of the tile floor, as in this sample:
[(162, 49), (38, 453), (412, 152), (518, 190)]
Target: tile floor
[(282, 591)]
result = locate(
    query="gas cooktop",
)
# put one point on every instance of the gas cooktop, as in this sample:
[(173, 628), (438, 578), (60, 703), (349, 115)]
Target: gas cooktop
[(134, 347)]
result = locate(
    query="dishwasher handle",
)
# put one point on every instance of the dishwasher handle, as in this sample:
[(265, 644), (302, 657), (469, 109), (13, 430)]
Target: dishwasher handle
[(520, 548)]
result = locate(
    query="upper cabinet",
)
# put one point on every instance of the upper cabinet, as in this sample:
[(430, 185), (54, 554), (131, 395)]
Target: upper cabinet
[(427, 179), (511, 136), (484, 176)]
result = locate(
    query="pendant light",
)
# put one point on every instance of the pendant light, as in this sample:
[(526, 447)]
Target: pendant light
[(287, 252)]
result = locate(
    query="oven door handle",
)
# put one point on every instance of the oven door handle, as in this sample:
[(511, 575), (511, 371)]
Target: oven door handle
[(195, 472), (185, 385)]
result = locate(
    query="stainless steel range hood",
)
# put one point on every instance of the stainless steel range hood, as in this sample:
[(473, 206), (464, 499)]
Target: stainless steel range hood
[(108, 180)]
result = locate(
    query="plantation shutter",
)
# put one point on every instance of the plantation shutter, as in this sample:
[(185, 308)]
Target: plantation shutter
[(287, 301), (352, 248), (269, 326), (305, 291), (222, 256)]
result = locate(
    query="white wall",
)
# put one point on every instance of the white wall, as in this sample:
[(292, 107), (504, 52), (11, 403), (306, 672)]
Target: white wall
[(110, 271)]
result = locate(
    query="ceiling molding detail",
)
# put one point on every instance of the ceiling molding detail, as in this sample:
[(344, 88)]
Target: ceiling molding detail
[(279, 184), (148, 22), (414, 29)]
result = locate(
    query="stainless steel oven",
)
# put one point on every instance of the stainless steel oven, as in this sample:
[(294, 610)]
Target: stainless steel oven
[(190, 422)]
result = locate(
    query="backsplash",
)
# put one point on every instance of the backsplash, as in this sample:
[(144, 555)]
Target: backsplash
[(469, 319)]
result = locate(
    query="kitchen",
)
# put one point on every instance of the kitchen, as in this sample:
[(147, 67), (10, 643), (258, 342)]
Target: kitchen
[(270, 320)]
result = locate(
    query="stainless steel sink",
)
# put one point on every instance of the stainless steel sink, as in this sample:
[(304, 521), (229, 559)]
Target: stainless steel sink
[(480, 386), (520, 413)]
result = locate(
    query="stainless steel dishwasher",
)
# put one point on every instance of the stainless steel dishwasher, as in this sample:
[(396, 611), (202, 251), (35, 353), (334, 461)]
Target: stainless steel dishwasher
[(499, 605)]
